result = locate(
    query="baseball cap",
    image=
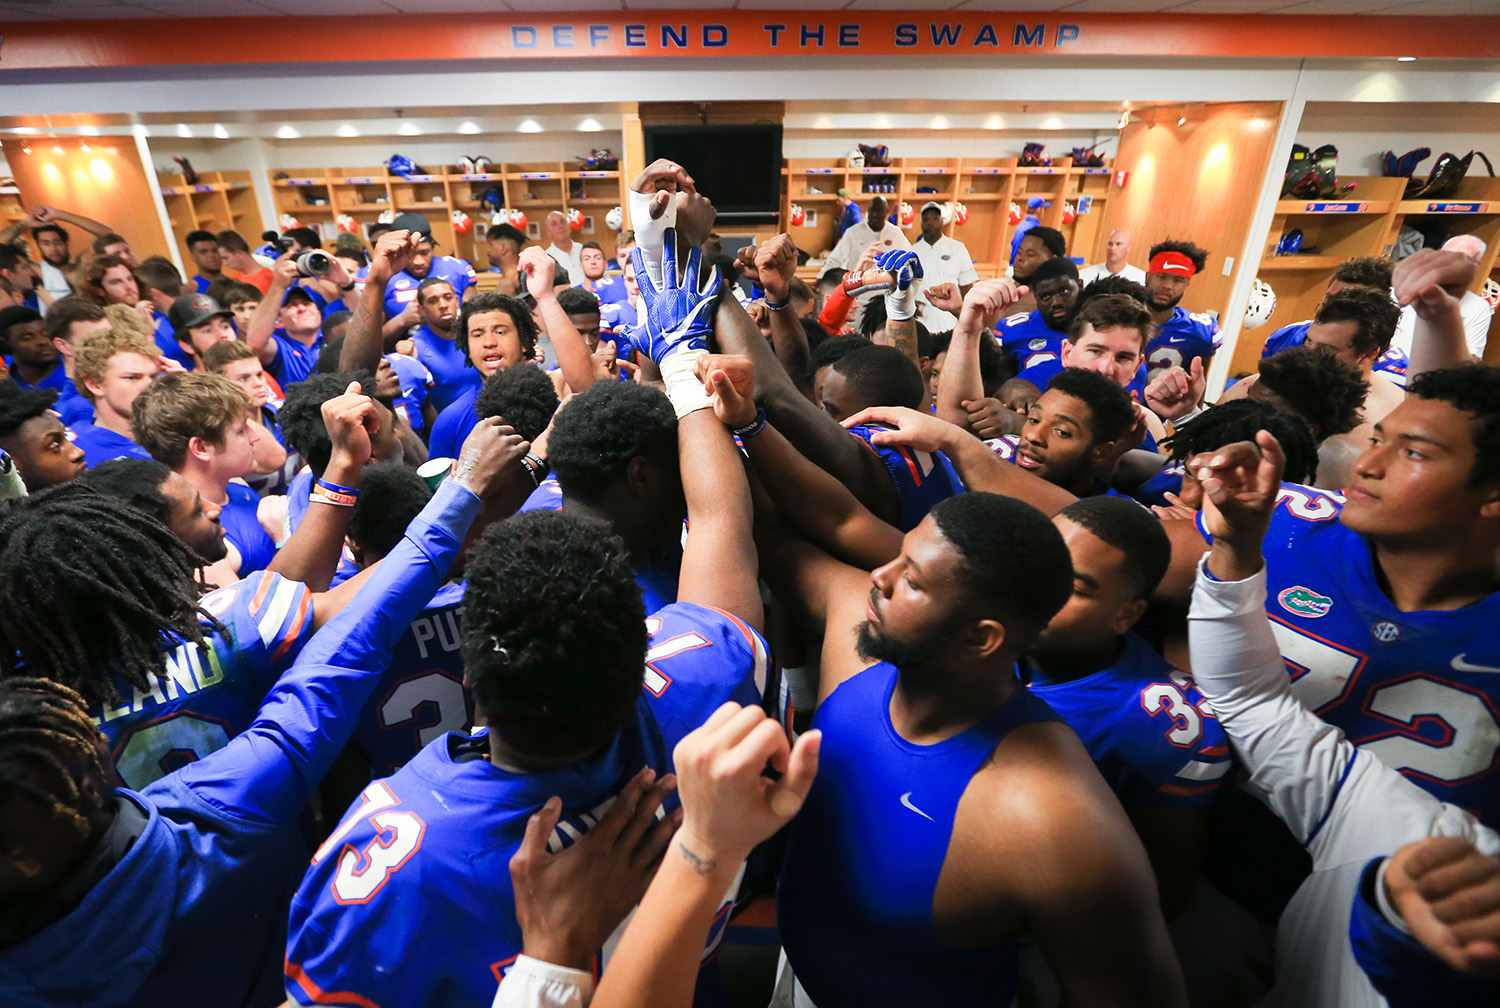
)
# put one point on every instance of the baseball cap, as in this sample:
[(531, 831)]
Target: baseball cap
[(299, 289), (846, 194), (193, 310), (413, 222), (931, 205)]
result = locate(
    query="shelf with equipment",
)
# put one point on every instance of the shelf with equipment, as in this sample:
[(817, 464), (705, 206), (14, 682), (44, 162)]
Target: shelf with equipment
[(985, 186), (1364, 221), (215, 201)]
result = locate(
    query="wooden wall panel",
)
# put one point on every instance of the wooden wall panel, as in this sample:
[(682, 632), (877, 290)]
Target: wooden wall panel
[(107, 182), (1198, 182)]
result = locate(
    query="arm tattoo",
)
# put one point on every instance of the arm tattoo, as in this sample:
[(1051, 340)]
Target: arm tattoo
[(700, 866)]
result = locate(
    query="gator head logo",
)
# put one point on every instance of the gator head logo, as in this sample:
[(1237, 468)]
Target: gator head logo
[(1305, 602), (1037, 344)]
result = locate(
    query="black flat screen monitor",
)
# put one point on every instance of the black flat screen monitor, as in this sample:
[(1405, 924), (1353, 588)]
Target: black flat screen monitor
[(738, 167)]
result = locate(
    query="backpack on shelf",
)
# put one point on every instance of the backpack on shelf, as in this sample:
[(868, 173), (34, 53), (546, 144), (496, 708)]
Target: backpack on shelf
[(1447, 173), (1313, 174)]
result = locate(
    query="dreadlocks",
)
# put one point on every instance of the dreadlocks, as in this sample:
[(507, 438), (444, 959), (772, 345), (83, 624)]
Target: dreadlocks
[(1239, 420), (95, 588), (42, 726)]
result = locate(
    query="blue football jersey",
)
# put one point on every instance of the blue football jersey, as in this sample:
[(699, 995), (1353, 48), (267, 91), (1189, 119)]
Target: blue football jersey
[(1180, 340), (421, 694), (1042, 372), (657, 578), (922, 478), (1029, 340), (446, 359), (1392, 363), (452, 426), (243, 529), (208, 695), (1420, 690), (401, 289), (611, 290), (1146, 727), (408, 902)]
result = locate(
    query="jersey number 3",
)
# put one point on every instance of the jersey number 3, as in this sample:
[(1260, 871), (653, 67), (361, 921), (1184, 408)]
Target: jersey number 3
[(398, 835)]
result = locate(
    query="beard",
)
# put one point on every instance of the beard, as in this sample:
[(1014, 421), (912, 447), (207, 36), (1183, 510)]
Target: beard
[(1172, 303), (875, 645)]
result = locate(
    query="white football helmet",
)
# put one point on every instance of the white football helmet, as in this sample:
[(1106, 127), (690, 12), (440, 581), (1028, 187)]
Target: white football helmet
[(1261, 304), (1491, 293), (615, 218)]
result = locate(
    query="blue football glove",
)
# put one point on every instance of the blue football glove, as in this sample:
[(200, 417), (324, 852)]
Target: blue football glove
[(905, 268), (677, 316)]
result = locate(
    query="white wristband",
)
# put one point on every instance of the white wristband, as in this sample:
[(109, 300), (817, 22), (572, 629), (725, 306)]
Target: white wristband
[(684, 387), (901, 305), (531, 983), (650, 232)]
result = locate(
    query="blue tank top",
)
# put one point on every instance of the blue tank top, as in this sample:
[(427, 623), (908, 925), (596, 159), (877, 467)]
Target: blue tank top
[(865, 853)]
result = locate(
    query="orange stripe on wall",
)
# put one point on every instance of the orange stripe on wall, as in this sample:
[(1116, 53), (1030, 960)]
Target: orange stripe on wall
[(734, 33)]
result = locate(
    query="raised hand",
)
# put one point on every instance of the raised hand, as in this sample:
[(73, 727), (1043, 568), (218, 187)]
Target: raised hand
[(1240, 484), (729, 382), (1448, 893), (393, 253), (353, 425), (569, 903), (538, 268), (988, 301), (653, 210), (490, 458), (679, 314), (1432, 280), (905, 269), (729, 804), (1175, 393), (991, 418), (695, 218), (944, 297), (771, 265)]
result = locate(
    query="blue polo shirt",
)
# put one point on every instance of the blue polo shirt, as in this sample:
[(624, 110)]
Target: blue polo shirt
[(294, 360)]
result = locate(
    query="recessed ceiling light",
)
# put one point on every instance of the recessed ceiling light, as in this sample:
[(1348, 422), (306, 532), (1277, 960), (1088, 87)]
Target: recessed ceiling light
[(409, 129), (183, 131), (26, 130), (220, 132), (1406, 59), (286, 131), (468, 126), (529, 126), (590, 125), (1182, 120), (89, 130), (346, 130)]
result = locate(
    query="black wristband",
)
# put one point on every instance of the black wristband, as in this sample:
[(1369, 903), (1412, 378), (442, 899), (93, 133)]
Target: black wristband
[(752, 428)]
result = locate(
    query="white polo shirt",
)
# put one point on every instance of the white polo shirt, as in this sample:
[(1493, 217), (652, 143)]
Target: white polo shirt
[(946, 260), (568, 260), (1473, 309), (852, 245), (1099, 271)]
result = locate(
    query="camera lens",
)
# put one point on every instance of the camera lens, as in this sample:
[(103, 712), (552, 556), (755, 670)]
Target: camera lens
[(314, 263)]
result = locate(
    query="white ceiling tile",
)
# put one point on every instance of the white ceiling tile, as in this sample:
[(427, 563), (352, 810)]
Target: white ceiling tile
[(1013, 5), (901, 4), (1442, 8), (1118, 6), (679, 4), (792, 4), (1232, 6), (1337, 7), (553, 6), (328, 7), (458, 6), (97, 11)]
